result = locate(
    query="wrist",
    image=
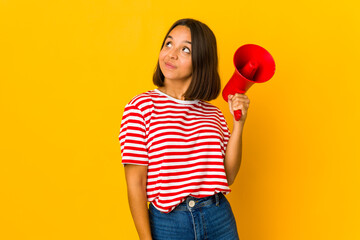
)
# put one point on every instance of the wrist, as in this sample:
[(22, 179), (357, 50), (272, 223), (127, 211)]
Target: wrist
[(146, 238), (238, 125)]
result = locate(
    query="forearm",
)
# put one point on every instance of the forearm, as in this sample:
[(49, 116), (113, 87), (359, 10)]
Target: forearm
[(139, 211), (233, 153)]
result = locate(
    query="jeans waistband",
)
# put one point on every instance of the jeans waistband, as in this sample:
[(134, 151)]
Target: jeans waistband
[(193, 202)]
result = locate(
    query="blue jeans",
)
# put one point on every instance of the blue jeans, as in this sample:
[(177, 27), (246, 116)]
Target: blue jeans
[(196, 218)]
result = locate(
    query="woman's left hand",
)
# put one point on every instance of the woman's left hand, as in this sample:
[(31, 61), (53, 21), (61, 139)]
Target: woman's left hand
[(239, 102)]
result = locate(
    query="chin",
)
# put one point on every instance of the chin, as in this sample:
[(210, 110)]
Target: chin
[(170, 75), (173, 76)]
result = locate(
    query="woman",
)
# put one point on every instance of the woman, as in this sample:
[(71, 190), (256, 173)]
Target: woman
[(176, 147)]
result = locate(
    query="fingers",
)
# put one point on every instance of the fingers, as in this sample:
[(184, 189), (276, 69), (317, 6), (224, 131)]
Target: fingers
[(239, 101)]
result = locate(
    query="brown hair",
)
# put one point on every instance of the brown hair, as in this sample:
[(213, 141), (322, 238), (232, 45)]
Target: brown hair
[(205, 84)]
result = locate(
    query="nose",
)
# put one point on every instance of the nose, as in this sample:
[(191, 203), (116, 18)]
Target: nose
[(173, 53)]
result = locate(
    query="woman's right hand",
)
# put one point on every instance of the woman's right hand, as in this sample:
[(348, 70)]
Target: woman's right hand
[(136, 177)]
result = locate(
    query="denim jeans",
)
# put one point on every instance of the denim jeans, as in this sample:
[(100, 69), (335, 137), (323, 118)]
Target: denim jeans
[(196, 218)]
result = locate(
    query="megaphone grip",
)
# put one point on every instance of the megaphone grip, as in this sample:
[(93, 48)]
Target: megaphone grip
[(237, 114)]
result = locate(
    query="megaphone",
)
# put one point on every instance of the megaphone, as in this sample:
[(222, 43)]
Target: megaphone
[(253, 64)]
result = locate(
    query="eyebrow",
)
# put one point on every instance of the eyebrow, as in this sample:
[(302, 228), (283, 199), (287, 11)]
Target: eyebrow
[(173, 38)]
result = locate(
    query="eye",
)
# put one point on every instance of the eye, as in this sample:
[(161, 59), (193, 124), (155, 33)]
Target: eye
[(187, 50), (168, 44)]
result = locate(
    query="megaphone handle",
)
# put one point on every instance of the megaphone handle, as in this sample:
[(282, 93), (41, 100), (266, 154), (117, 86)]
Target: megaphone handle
[(237, 114)]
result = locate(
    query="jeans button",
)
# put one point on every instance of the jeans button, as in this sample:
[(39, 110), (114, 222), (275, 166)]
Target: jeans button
[(191, 203)]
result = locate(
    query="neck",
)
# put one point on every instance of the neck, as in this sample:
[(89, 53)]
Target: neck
[(175, 89)]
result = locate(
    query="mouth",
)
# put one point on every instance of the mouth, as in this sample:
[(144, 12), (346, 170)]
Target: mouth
[(170, 65)]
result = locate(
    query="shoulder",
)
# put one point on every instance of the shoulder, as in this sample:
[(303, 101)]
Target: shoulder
[(210, 107), (142, 100), (142, 104)]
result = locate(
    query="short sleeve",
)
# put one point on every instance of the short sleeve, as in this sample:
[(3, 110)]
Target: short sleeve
[(132, 137), (226, 136), (226, 130)]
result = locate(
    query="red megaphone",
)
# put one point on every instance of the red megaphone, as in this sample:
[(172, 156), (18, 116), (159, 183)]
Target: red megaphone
[(253, 64)]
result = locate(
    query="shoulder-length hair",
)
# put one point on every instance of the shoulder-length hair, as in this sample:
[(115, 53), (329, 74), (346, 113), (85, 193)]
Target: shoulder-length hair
[(205, 84)]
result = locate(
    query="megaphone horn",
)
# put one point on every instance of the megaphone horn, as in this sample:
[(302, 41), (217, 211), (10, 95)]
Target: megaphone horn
[(253, 64)]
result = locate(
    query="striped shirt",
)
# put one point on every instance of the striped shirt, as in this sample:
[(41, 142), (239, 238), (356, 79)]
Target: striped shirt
[(182, 142)]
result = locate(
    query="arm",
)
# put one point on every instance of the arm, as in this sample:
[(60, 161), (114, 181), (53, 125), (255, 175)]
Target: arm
[(136, 176), (234, 147)]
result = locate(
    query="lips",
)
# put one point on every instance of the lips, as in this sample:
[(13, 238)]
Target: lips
[(169, 65)]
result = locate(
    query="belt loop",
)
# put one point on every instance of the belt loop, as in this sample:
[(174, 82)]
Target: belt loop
[(217, 199)]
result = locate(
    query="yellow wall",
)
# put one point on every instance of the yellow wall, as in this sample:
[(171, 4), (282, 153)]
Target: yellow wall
[(67, 69)]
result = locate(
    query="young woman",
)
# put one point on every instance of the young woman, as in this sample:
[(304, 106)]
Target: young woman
[(176, 147)]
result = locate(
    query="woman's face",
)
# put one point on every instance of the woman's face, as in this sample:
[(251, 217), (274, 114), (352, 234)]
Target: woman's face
[(175, 56)]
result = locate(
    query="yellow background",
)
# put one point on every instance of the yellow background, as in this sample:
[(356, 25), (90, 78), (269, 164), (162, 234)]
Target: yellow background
[(67, 69)]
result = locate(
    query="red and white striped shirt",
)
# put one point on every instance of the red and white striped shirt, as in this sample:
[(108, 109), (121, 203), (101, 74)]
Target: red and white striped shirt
[(182, 142)]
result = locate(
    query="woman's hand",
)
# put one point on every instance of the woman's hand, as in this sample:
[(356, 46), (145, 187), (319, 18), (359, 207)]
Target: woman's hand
[(239, 102), (234, 147)]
